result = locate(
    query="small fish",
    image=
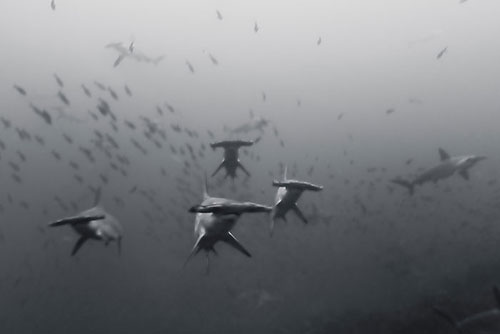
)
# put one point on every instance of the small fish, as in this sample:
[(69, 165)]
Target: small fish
[(20, 90), (190, 66), (63, 98), (390, 111), (58, 80), (219, 15), (319, 41), (112, 93), (86, 91), (256, 27), (128, 91), (53, 5), (441, 53)]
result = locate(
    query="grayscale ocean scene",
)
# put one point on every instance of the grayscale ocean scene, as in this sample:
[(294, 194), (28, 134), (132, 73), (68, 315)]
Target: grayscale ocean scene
[(301, 167)]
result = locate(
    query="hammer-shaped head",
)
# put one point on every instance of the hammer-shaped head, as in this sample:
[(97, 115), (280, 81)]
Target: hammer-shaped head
[(230, 208), (299, 185)]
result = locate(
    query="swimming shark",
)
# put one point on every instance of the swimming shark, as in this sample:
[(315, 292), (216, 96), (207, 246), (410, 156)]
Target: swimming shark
[(255, 124), (94, 223), (215, 218), (231, 161), (289, 192), (483, 322), (132, 53), (449, 165)]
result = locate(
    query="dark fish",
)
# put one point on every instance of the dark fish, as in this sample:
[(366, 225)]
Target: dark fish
[(86, 91), (63, 98), (67, 138), (112, 93), (319, 41), (339, 117), (44, 114), (170, 108), (6, 123), (100, 85), (20, 90), (128, 91), (255, 27), (56, 155), (219, 15), (441, 53), (390, 111), (190, 66), (58, 80), (213, 59), (53, 5)]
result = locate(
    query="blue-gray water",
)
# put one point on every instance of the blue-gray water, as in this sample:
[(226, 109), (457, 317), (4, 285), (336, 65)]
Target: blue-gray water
[(347, 112)]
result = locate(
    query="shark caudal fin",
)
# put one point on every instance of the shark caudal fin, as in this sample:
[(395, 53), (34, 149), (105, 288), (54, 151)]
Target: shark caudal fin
[(448, 317), (443, 155), (231, 240), (407, 184), (79, 243), (76, 220)]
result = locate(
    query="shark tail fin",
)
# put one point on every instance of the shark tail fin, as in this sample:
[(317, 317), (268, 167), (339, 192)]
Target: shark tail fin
[(448, 317), (443, 155), (407, 184)]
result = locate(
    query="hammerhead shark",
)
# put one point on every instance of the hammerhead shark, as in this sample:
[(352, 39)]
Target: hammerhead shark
[(94, 223), (446, 168), (215, 218), (289, 192), (132, 53), (231, 161)]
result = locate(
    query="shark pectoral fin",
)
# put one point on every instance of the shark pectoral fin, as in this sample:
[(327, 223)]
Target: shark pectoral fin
[(465, 174), (79, 243), (299, 213), (243, 168), (231, 240), (76, 220), (443, 155), (219, 168), (196, 248)]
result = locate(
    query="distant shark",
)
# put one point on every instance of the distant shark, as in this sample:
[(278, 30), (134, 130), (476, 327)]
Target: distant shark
[(231, 161), (215, 218), (448, 166), (94, 223), (483, 322), (132, 53), (255, 124), (289, 192)]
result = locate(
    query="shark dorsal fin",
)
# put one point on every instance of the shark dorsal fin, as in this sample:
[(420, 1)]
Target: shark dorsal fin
[(285, 172), (443, 154), (205, 187)]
